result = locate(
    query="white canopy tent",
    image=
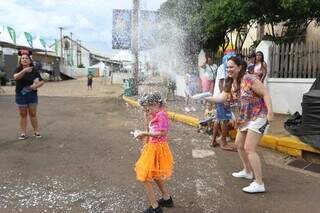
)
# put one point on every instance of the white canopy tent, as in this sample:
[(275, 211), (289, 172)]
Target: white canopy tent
[(124, 56), (49, 49), (22, 41), (25, 40), (5, 35), (37, 45), (102, 68), (40, 45)]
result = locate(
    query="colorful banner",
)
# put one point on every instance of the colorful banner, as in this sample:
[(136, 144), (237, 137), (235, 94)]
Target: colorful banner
[(43, 43), (29, 38), (121, 29), (12, 34)]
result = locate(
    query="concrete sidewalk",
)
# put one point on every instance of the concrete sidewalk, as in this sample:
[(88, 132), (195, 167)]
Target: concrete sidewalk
[(277, 139)]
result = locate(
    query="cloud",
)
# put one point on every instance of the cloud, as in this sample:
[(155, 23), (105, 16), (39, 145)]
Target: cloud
[(83, 23), (48, 3), (61, 21)]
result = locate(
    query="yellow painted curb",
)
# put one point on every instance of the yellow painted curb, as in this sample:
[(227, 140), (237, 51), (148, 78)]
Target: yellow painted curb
[(295, 143), (288, 145), (269, 141), (186, 119), (289, 151), (131, 101)]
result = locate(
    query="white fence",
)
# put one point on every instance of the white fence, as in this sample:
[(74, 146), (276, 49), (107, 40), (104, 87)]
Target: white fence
[(286, 93)]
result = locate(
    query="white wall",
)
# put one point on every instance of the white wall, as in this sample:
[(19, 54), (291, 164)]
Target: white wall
[(85, 58), (286, 94)]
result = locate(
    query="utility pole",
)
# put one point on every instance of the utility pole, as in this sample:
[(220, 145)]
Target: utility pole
[(77, 51), (135, 42), (71, 47), (80, 52), (61, 45)]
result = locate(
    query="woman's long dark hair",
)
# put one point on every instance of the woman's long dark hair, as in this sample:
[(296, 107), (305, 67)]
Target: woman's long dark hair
[(262, 57), (229, 81), (20, 67)]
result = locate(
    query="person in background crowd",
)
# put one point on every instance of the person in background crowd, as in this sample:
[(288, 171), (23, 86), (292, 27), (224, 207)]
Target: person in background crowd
[(260, 66), (190, 90), (209, 75), (171, 87), (250, 67), (90, 80), (223, 115), (105, 76)]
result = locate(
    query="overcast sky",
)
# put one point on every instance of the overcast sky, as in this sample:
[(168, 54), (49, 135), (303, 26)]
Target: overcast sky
[(88, 20)]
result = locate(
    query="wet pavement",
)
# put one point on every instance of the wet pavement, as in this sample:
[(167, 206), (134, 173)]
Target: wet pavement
[(85, 162)]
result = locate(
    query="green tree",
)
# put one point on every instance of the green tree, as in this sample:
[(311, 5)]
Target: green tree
[(209, 22)]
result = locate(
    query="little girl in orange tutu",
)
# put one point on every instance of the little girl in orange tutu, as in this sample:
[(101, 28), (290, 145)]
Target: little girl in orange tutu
[(156, 161)]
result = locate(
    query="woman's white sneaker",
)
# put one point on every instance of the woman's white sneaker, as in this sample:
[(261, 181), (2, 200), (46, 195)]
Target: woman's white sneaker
[(243, 174), (254, 187)]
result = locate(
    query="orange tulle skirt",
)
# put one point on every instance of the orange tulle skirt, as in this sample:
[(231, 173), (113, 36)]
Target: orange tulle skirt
[(155, 162)]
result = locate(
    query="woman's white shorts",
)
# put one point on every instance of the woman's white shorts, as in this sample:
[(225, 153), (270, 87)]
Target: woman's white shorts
[(260, 125)]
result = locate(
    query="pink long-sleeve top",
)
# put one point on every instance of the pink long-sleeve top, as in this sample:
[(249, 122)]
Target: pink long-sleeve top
[(159, 122)]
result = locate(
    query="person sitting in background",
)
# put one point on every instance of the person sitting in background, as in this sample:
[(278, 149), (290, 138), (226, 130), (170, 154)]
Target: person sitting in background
[(206, 125)]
